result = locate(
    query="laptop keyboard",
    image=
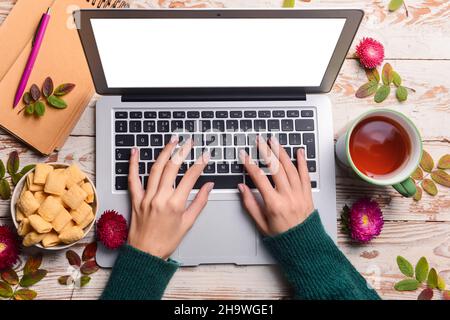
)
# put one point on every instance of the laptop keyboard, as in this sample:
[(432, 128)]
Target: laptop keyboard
[(222, 132)]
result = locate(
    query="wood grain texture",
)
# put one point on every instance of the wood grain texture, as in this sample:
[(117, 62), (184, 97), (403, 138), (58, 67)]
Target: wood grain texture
[(418, 47)]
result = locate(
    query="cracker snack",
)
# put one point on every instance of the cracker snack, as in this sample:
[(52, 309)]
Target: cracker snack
[(55, 206)]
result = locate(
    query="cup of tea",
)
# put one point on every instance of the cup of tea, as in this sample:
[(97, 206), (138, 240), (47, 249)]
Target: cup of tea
[(384, 148)]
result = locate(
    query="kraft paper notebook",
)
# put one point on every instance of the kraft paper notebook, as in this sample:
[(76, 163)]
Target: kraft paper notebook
[(61, 57)]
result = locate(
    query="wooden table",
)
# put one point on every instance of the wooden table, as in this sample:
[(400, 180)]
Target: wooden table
[(418, 47)]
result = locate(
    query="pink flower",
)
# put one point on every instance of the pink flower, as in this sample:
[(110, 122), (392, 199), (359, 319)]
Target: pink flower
[(370, 53), (9, 248), (364, 221), (112, 229)]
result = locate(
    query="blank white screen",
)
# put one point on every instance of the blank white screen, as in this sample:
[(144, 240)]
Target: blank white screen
[(147, 53)]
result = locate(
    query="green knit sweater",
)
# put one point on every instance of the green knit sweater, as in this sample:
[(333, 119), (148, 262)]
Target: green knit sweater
[(311, 262)]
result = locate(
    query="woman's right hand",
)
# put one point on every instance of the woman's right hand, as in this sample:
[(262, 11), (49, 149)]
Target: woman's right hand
[(290, 202)]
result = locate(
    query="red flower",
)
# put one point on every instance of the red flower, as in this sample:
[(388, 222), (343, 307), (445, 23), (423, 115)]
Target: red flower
[(112, 229), (9, 247), (370, 53)]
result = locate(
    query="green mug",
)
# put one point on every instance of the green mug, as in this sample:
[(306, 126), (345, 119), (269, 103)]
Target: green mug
[(399, 178)]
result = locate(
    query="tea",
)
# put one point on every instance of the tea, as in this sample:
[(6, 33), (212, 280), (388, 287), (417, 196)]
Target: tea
[(379, 146)]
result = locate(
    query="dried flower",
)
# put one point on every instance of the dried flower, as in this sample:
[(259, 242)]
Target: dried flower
[(112, 229), (364, 221), (370, 53), (9, 247)]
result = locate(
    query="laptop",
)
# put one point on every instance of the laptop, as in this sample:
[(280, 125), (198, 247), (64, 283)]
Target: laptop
[(221, 77)]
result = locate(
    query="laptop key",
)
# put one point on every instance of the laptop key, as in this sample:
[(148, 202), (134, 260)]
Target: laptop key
[(122, 167), (198, 139), (278, 113), (149, 126), (207, 114), (121, 183), (220, 181), (190, 125), (162, 126), (230, 153), (313, 184), (235, 114), (226, 139), (136, 115), (250, 114), (216, 153), (205, 125), (179, 114), (293, 113), (149, 166), (123, 154), (150, 114), (223, 167), (232, 125), (311, 166), (145, 154), (240, 139), (304, 125), (156, 140), (288, 151), (141, 167), (264, 114), (124, 140), (193, 114), (309, 141), (287, 125), (156, 152), (212, 140), (167, 138), (273, 124), (121, 114), (295, 139), (176, 125), (260, 125), (183, 168), (249, 182), (142, 140), (237, 167), (164, 114), (135, 126), (307, 113), (246, 125), (218, 125), (222, 114), (121, 126), (282, 138), (210, 168)]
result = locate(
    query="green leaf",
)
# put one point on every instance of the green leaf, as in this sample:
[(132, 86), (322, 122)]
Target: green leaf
[(47, 87), (426, 294), (345, 219), (432, 280), (10, 276), (89, 267), (56, 102), (418, 195), (73, 258), (372, 75), (65, 280), (25, 294), (39, 108), (289, 4), (33, 263), (427, 162), (26, 98), (5, 290), (15, 178), (441, 177), (422, 269), (35, 92), (405, 266), (367, 89), (382, 93), (444, 162), (430, 187), (407, 285), (396, 79), (387, 74), (84, 280), (441, 283), (401, 93), (32, 278), (29, 109), (13, 162), (64, 89), (27, 168), (395, 4), (2, 169), (5, 189)]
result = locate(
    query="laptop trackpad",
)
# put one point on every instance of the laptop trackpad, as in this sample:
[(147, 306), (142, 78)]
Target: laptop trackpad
[(223, 233)]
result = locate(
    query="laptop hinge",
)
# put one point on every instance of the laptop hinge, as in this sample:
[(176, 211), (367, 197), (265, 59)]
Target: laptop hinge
[(279, 95)]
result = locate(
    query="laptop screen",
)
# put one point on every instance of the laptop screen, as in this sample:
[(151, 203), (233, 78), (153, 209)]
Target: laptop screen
[(190, 53)]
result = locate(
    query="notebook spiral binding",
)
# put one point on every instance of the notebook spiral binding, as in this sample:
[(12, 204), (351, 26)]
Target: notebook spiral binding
[(109, 3)]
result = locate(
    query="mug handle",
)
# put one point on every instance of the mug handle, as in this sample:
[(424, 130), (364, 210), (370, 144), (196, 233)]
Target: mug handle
[(406, 188)]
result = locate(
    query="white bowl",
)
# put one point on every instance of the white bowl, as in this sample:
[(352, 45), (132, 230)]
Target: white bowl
[(18, 190)]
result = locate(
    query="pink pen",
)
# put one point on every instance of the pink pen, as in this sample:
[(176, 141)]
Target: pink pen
[(37, 41)]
